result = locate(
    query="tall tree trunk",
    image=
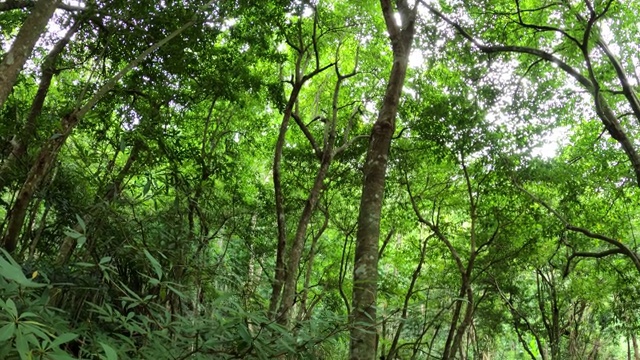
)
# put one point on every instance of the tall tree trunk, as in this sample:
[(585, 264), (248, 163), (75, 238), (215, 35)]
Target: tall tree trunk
[(467, 318), (298, 82), (365, 272), (278, 278), (634, 341), (405, 306), (21, 141), (37, 173), (291, 275), (449, 349), (23, 45), (304, 311), (50, 150)]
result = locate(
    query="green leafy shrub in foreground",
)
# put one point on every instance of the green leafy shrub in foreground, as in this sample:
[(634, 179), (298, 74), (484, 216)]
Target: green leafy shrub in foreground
[(132, 327)]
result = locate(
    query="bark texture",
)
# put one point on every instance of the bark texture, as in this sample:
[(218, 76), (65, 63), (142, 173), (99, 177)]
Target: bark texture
[(48, 153), (365, 271), (22, 46), (278, 279), (26, 135)]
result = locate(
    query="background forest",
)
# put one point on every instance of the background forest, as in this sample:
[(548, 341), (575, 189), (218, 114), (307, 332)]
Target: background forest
[(205, 180)]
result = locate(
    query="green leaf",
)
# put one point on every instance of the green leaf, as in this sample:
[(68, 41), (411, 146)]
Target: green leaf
[(22, 346), (27, 314), (38, 329), (109, 352), (147, 187), (176, 291), (10, 306), (73, 234), (81, 241), (156, 265), (60, 356), (11, 272), (83, 264), (7, 331), (63, 339), (83, 226)]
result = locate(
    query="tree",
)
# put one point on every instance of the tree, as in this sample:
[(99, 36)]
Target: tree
[(365, 270), (16, 57), (198, 199)]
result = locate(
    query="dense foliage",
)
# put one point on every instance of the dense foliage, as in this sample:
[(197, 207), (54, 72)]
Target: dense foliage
[(197, 180)]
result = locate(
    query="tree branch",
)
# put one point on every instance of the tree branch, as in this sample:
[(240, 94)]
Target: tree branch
[(619, 245), (23, 4), (307, 133), (595, 255)]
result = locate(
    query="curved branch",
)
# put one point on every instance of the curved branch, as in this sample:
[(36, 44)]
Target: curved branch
[(307, 133), (603, 110), (595, 255), (627, 89), (543, 27), (625, 250), (436, 230)]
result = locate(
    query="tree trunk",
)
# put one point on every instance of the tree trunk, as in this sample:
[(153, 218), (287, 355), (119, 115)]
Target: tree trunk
[(23, 45), (34, 178), (466, 320), (634, 341), (405, 306), (304, 311), (365, 271), (291, 275), (50, 150), (449, 349), (27, 133), (279, 276)]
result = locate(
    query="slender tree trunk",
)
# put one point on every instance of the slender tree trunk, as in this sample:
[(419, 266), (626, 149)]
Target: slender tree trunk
[(405, 307), (304, 312), (634, 341), (27, 133), (449, 349), (466, 320), (50, 150), (34, 178), (279, 276), (365, 272), (23, 45), (291, 275), (36, 239)]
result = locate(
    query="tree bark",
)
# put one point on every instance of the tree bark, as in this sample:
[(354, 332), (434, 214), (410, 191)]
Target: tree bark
[(50, 150), (21, 141), (23, 45), (279, 276), (34, 178), (405, 306), (365, 272), (305, 312), (291, 274)]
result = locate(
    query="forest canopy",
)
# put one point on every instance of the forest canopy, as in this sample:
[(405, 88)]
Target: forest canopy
[(319, 179)]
